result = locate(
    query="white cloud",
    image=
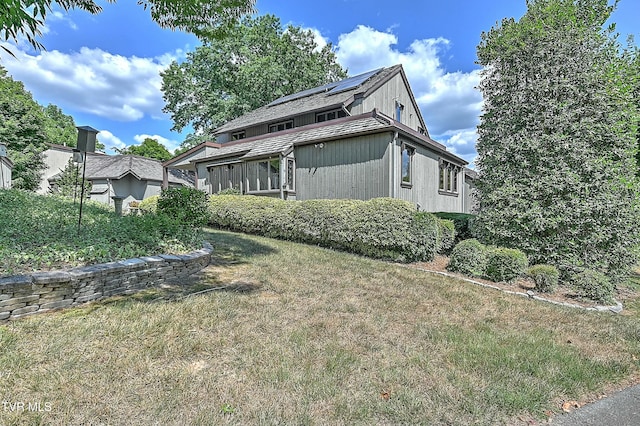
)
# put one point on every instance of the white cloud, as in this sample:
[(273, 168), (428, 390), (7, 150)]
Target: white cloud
[(94, 81), (170, 144), (449, 102), (110, 141)]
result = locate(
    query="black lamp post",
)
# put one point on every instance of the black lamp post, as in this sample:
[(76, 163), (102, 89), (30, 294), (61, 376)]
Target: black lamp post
[(86, 143)]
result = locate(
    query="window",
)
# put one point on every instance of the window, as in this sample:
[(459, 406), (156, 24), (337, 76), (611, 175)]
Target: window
[(330, 115), (278, 127), (263, 175), (407, 164), (291, 175), (238, 135), (448, 177), (225, 176), (399, 109)]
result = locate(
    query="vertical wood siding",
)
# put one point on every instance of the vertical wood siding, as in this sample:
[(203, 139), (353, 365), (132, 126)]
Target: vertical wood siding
[(384, 99), (424, 190), (356, 168)]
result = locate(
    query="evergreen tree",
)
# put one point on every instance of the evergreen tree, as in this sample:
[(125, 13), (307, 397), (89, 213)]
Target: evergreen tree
[(556, 140), (69, 183)]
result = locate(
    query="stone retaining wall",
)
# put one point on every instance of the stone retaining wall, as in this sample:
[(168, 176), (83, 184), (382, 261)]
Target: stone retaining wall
[(22, 295)]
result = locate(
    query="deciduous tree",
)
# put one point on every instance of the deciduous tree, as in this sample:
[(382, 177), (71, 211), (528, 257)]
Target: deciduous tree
[(203, 18), (149, 148), (257, 62), (557, 139), (22, 130)]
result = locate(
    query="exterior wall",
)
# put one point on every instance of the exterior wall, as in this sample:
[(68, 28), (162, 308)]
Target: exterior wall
[(425, 179), (5, 174), (130, 188), (356, 168), (22, 295), (185, 163), (471, 204), (384, 98), (55, 159)]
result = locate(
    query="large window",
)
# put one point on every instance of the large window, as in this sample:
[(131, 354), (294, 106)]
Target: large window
[(448, 177), (278, 127), (407, 164), (330, 115), (263, 175), (225, 177)]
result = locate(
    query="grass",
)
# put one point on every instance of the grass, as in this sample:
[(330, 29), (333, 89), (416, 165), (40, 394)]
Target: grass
[(41, 232), (304, 335)]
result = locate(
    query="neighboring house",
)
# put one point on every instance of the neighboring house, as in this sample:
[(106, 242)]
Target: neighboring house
[(6, 166), (130, 177), (360, 138)]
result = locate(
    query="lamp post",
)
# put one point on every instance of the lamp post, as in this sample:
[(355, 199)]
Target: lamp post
[(86, 143)]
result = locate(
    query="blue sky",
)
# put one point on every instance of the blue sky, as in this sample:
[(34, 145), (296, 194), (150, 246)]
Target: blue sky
[(104, 69)]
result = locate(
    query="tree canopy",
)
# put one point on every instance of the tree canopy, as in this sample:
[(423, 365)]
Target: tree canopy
[(258, 61), (204, 18), (557, 141), (22, 130), (149, 148)]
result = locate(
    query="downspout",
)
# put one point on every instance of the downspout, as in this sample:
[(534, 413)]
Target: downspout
[(394, 166)]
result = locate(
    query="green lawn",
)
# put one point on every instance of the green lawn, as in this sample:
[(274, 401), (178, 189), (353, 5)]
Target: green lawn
[(304, 335)]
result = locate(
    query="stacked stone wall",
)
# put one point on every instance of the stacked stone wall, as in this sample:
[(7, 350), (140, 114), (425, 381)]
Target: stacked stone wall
[(22, 295)]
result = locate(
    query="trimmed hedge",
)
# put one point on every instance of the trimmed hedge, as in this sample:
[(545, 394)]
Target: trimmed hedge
[(468, 257), (382, 228), (505, 264), (545, 277), (463, 223)]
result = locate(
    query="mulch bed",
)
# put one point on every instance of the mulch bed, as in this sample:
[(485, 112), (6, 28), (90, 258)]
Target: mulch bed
[(562, 294)]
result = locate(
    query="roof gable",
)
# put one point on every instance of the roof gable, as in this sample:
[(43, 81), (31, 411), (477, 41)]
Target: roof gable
[(331, 95)]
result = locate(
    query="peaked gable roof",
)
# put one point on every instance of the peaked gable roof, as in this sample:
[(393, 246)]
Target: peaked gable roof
[(332, 95)]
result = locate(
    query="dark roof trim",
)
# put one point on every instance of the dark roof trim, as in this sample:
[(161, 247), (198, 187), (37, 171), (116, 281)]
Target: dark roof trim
[(191, 151)]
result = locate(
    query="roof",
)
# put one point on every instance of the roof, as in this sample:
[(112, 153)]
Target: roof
[(332, 95), (351, 126), (118, 166)]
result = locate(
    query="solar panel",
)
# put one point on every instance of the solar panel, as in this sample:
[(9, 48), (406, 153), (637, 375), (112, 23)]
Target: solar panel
[(353, 82), (303, 94), (331, 88)]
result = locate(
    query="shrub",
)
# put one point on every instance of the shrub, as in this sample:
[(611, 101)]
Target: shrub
[(463, 223), (382, 228), (505, 264), (446, 235), (229, 191), (186, 205), (594, 285), (468, 257), (545, 277), (149, 205)]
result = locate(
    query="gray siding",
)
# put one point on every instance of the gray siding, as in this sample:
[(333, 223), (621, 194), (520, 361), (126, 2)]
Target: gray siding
[(384, 99), (356, 168), (5, 174), (424, 188)]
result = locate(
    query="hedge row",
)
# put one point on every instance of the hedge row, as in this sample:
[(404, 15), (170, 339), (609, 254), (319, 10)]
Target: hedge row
[(382, 228), (471, 257)]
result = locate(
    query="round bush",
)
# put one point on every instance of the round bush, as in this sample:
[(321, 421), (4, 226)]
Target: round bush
[(149, 205), (468, 257), (187, 205), (446, 236), (505, 264), (594, 285), (545, 277)]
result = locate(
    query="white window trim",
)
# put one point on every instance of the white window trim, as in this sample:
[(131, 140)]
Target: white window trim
[(274, 127)]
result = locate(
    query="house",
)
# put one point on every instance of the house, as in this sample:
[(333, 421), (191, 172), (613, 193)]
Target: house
[(6, 167), (130, 177), (359, 138)]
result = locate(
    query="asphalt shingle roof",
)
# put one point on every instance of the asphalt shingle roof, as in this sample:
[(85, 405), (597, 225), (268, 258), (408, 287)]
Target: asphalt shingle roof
[(313, 102)]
